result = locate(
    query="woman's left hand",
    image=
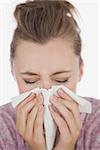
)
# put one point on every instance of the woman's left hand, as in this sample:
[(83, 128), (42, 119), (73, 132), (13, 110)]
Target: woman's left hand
[(67, 117)]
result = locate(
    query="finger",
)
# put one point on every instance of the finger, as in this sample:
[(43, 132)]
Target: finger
[(67, 115), (30, 122), (64, 95), (32, 115), (22, 114), (74, 108), (38, 125), (40, 98), (60, 122), (29, 98)]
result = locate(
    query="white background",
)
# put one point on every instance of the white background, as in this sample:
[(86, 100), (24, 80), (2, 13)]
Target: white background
[(89, 23)]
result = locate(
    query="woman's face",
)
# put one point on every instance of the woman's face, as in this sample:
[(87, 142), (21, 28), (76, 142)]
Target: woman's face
[(53, 63)]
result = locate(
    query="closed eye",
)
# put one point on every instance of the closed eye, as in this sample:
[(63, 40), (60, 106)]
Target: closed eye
[(62, 81), (27, 82)]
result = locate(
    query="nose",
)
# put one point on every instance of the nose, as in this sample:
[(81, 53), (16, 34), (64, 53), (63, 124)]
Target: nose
[(46, 84)]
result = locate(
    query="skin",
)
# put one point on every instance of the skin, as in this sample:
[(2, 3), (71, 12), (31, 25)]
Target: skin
[(43, 66)]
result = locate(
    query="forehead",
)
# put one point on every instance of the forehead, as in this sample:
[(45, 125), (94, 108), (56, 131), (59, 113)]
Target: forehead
[(55, 53)]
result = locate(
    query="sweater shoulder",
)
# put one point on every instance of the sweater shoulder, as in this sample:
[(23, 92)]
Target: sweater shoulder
[(7, 112), (9, 136)]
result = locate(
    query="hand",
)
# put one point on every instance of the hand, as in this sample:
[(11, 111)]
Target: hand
[(29, 121), (67, 117)]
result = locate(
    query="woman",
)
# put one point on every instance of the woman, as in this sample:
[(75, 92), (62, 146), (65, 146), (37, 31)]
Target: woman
[(46, 51)]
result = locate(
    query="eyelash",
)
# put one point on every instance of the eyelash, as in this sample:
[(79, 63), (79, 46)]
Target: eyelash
[(56, 81), (62, 81), (29, 82)]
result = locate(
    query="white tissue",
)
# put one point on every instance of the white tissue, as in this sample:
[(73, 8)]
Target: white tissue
[(49, 125)]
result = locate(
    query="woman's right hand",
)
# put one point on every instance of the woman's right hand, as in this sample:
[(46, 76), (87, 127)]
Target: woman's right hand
[(29, 121)]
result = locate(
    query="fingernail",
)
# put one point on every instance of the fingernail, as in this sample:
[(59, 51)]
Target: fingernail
[(41, 96), (53, 99), (56, 94), (60, 91), (56, 97), (40, 99), (32, 94), (40, 108), (50, 108)]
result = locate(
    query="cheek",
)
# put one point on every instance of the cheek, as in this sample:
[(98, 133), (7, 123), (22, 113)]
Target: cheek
[(73, 88), (22, 85), (72, 84)]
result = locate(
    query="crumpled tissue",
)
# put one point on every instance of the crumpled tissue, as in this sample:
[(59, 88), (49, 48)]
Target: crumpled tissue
[(49, 124)]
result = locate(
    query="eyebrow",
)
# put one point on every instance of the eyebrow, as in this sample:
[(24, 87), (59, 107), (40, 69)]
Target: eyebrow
[(60, 72), (34, 74)]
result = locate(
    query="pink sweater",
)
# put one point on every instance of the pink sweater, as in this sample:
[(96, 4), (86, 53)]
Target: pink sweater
[(89, 138)]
